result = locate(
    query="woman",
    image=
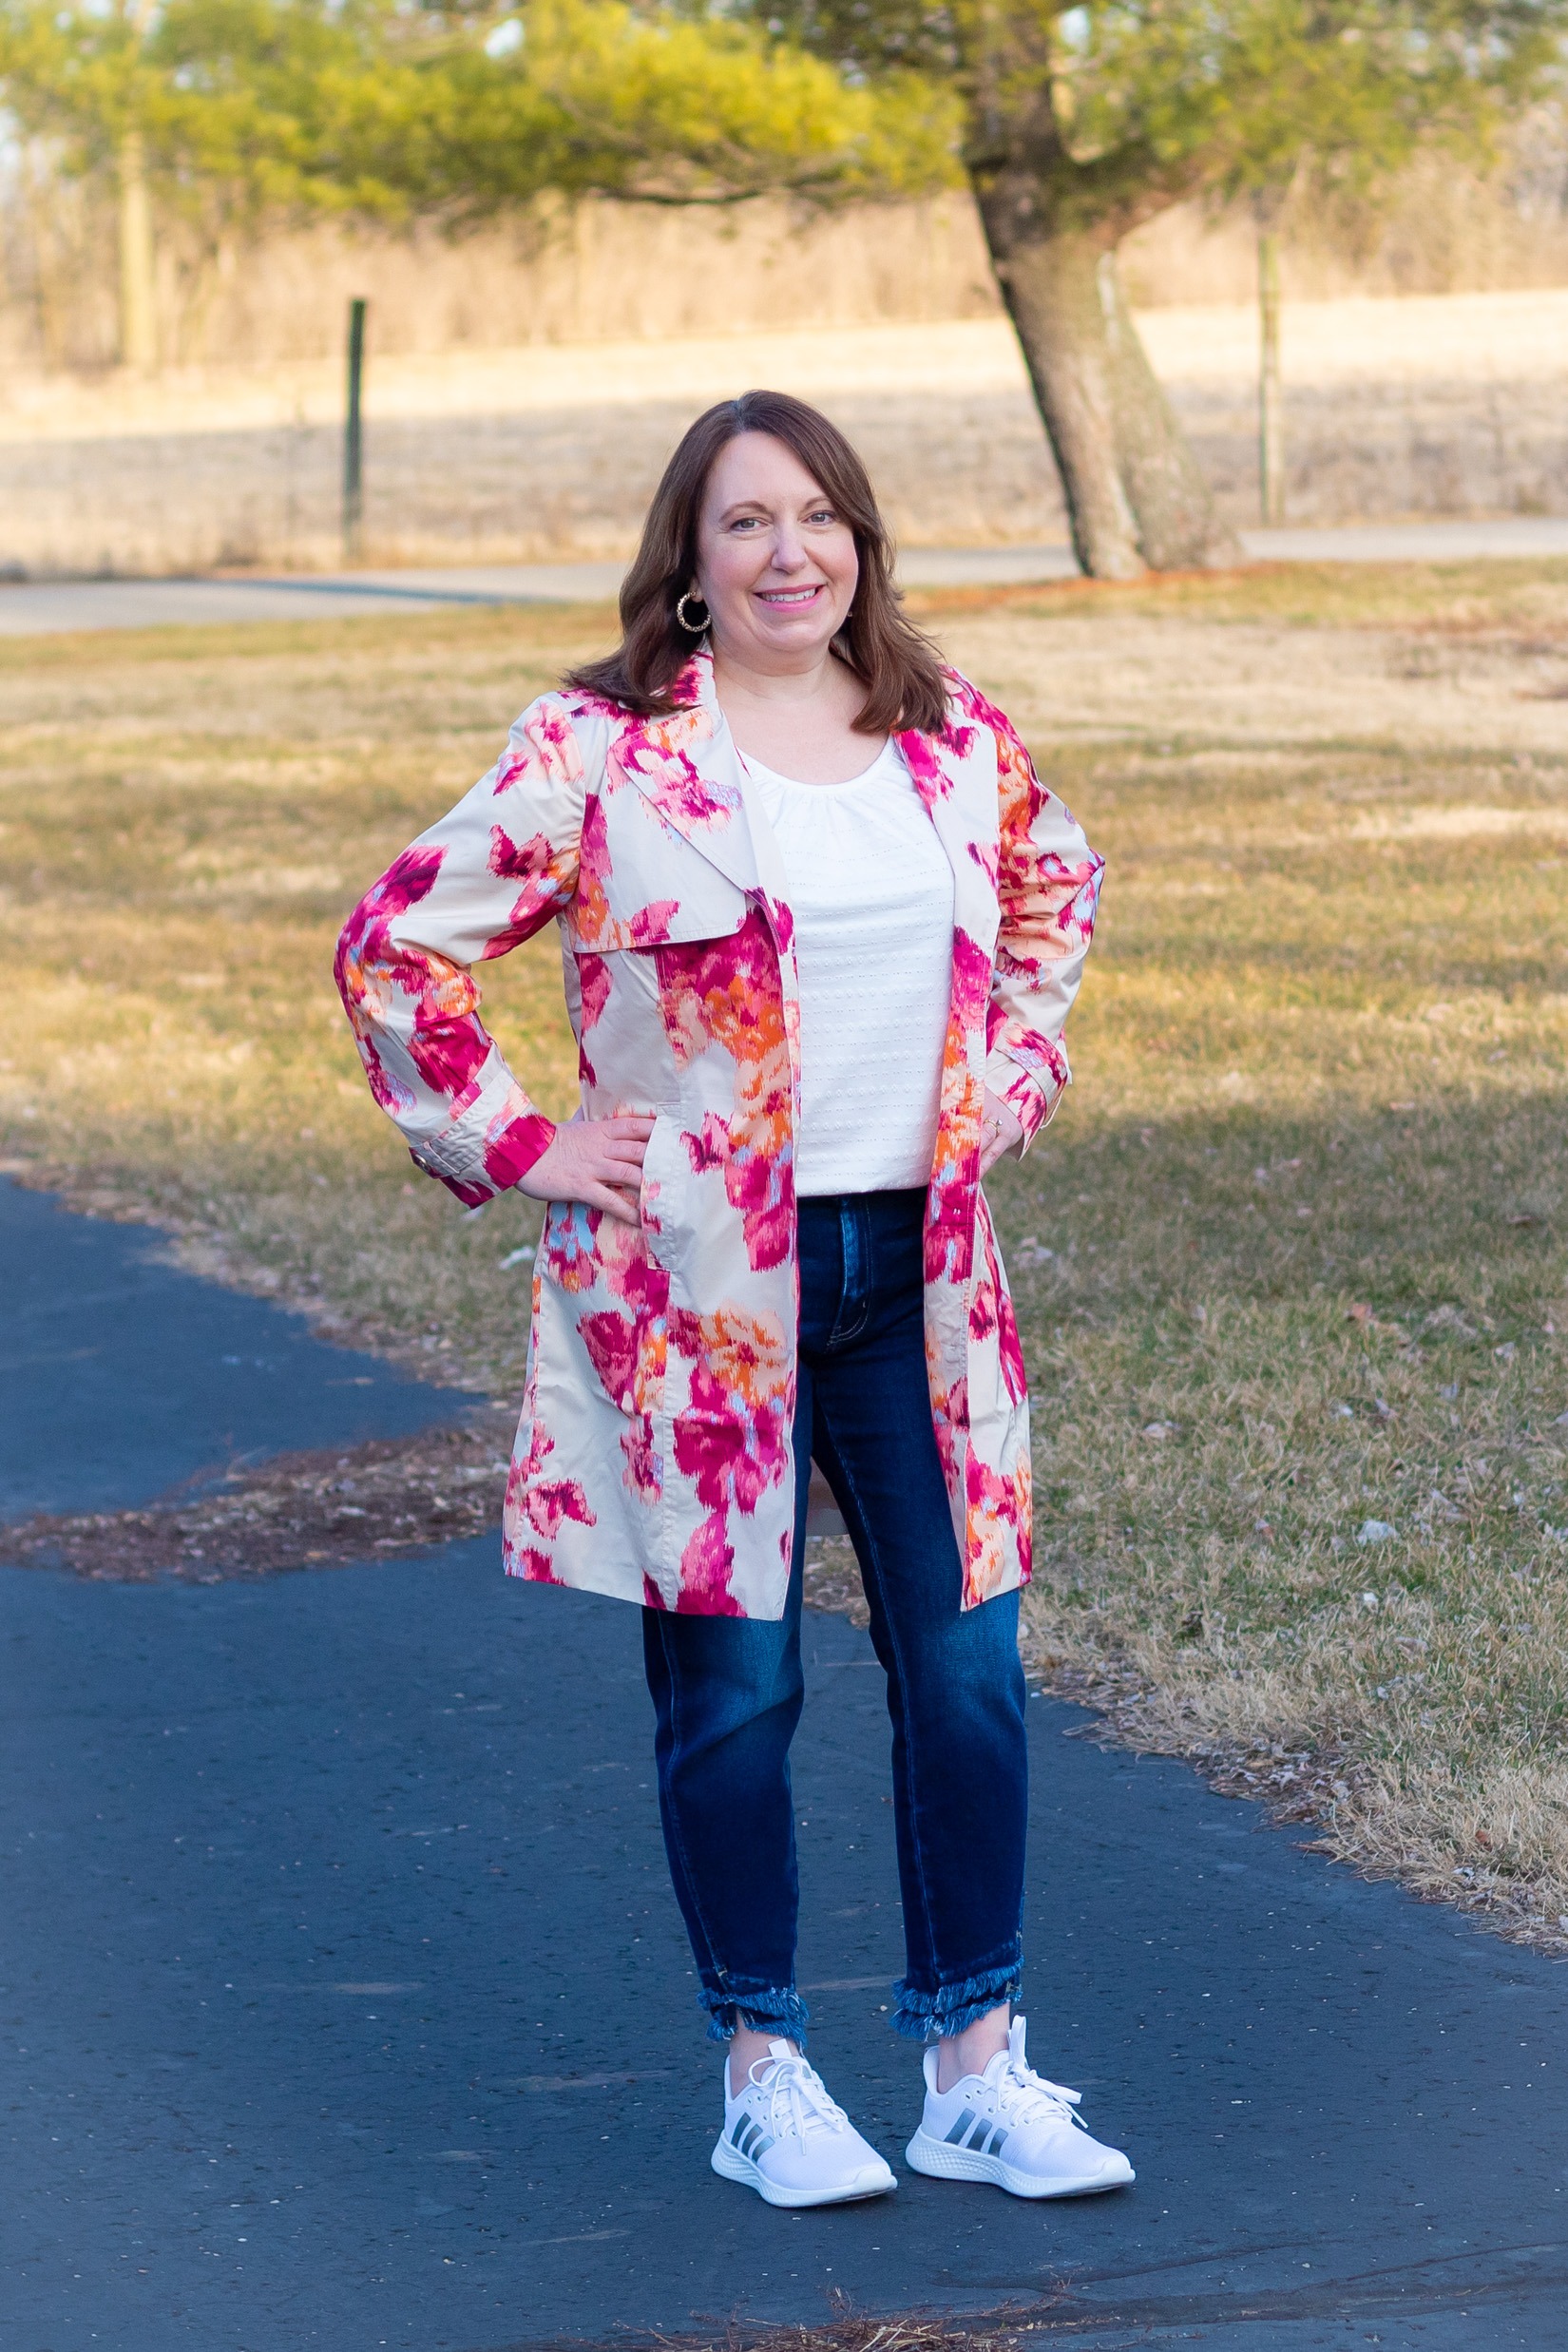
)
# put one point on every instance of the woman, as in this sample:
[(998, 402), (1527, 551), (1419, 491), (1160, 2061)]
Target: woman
[(821, 929)]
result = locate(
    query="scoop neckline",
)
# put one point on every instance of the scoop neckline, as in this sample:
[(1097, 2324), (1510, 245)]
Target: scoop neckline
[(798, 784)]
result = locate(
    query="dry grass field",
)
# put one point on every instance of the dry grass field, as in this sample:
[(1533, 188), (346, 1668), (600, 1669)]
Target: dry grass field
[(1291, 1265), (1446, 405)]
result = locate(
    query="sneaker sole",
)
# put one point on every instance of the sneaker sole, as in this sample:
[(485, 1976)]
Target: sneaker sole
[(732, 2165), (942, 2163)]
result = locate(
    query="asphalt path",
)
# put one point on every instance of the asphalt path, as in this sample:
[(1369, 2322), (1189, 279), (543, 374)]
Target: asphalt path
[(121, 1377), (346, 2002), (39, 607)]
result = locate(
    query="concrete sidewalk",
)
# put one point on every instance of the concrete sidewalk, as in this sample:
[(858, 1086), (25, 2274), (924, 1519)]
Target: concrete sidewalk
[(349, 2007), (34, 607)]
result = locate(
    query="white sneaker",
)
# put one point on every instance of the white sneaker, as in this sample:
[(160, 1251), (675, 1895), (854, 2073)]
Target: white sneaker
[(787, 2140), (1010, 2125)]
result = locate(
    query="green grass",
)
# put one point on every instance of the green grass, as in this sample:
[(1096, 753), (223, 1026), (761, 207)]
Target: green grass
[(1292, 1259)]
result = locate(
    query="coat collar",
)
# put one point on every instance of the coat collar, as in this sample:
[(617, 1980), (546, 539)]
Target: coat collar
[(688, 767)]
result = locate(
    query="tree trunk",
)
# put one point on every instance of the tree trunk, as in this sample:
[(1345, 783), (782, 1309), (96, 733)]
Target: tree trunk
[(1271, 404), (50, 280), (138, 323), (1135, 495), (1178, 527), (1052, 293)]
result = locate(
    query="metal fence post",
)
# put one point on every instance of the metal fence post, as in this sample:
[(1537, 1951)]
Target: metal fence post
[(353, 440)]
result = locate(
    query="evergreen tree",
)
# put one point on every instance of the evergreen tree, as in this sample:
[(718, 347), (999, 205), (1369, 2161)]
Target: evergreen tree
[(229, 113)]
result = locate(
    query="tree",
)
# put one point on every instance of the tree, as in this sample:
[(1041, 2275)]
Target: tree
[(85, 79), (661, 107), (122, 93), (1074, 125), (224, 114), (1082, 122)]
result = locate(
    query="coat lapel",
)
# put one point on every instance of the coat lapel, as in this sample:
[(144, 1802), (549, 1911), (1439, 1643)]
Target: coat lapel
[(687, 767), (955, 777)]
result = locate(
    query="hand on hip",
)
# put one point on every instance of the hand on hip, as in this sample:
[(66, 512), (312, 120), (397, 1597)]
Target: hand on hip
[(1000, 1129), (598, 1161)]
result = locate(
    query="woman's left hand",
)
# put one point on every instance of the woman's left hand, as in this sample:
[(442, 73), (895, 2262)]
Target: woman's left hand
[(1000, 1129)]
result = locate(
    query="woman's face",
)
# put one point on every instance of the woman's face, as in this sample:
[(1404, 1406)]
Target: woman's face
[(776, 565)]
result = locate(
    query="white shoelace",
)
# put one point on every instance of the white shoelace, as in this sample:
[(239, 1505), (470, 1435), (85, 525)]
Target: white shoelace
[(1025, 2096), (794, 2087)]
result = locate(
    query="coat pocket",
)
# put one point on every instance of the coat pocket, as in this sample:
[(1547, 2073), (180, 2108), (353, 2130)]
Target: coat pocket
[(666, 1170), (609, 1312)]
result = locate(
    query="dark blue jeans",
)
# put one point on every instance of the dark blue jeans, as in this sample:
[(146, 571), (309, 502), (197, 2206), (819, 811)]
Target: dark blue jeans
[(727, 1691)]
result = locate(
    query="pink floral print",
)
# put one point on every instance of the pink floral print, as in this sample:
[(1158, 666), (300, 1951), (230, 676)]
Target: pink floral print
[(654, 1456), (725, 993)]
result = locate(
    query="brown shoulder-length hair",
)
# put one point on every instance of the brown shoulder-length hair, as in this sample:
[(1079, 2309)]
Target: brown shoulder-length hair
[(898, 666)]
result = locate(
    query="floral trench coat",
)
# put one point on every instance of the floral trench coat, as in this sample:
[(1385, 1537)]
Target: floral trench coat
[(654, 1457)]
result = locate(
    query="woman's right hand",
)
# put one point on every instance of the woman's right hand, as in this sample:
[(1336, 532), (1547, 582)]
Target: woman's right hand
[(598, 1161)]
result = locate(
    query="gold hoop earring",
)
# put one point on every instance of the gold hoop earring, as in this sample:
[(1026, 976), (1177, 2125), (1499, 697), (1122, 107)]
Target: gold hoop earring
[(692, 628)]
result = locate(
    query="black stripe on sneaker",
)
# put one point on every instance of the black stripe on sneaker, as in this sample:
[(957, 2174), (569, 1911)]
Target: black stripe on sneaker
[(999, 2139), (979, 2135), (952, 2138)]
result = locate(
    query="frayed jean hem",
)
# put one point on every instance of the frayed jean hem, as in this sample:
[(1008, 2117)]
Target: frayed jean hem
[(777, 2010), (953, 2008)]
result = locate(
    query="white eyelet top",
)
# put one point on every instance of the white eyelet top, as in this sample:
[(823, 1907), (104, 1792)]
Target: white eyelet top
[(872, 893)]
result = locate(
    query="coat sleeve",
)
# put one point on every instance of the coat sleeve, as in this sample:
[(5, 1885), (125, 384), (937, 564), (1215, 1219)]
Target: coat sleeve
[(1048, 888), (483, 880)]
